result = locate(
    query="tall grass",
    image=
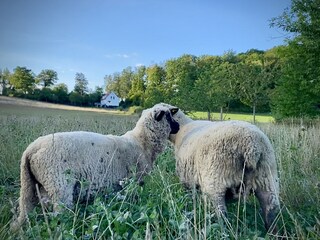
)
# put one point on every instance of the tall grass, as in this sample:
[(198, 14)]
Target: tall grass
[(161, 208)]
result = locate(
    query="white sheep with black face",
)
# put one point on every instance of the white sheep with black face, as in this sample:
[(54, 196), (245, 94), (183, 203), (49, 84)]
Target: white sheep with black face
[(57, 162), (223, 156)]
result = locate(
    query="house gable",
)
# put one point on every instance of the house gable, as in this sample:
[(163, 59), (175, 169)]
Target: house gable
[(110, 100)]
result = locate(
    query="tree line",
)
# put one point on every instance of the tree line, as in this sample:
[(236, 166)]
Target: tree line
[(204, 83), (284, 80), (22, 82)]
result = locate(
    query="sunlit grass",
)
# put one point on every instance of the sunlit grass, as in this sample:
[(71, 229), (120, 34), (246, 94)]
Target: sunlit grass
[(262, 118)]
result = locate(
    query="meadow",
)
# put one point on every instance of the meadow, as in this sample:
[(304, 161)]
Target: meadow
[(161, 208), (260, 118)]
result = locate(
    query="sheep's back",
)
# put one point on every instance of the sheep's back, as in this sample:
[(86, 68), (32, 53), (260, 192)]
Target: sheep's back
[(221, 148), (81, 155)]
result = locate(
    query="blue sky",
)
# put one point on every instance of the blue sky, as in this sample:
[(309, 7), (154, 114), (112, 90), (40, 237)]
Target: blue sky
[(100, 37)]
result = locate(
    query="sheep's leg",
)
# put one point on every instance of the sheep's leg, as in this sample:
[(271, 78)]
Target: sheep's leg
[(61, 192), (28, 197), (270, 208), (217, 195), (220, 204)]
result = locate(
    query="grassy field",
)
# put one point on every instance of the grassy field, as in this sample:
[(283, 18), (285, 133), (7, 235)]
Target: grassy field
[(162, 207), (260, 118)]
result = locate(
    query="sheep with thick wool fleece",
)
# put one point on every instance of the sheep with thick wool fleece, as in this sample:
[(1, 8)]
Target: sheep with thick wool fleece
[(227, 155), (59, 161)]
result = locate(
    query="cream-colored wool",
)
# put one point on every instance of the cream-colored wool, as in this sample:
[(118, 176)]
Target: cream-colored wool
[(227, 155), (57, 162)]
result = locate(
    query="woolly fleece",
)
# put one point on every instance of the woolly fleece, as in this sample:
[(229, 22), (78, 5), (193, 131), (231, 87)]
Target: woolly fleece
[(228, 155), (57, 162)]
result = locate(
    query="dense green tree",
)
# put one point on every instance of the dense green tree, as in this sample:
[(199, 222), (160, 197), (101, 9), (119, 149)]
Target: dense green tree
[(297, 90), (4, 81), (95, 96), (76, 98), (181, 74), (155, 90), (212, 90), (47, 77), (125, 82), (296, 93), (81, 85), (138, 86), (60, 92), (46, 95), (207, 90), (253, 79), (112, 82), (22, 79)]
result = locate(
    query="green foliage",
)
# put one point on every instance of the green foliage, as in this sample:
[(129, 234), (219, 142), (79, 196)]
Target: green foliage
[(297, 92), (76, 98), (81, 85), (113, 83), (125, 82), (4, 81), (47, 77), (212, 88), (155, 90), (22, 79), (205, 83), (95, 96), (60, 92), (121, 83), (137, 91), (254, 77), (181, 74)]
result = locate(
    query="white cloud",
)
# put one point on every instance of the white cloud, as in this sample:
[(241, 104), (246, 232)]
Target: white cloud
[(139, 64), (117, 55)]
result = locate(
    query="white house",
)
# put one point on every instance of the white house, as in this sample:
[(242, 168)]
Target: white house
[(110, 100)]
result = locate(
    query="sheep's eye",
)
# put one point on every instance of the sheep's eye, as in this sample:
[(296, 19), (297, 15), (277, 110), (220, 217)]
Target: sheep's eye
[(174, 110)]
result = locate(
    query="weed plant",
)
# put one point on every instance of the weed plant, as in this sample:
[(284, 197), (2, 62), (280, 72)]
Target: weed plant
[(161, 208)]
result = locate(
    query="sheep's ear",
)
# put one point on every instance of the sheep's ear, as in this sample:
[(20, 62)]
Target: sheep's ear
[(174, 111), (159, 115)]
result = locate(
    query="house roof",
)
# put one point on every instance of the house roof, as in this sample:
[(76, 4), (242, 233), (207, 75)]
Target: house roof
[(107, 94)]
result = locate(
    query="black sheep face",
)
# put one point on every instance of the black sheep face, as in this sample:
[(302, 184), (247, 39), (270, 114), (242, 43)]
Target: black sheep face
[(174, 126)]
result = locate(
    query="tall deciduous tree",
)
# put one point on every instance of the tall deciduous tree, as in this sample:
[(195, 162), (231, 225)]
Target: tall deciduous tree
[(297, 90), (255, 76), (95, 96), (206, 88), (81, 85), (155, 91), (61, 93), (47, 77), (112, 82), (125, 82), (296, 93), (181, 74), (137, 91), (22, 79), (4, 80)]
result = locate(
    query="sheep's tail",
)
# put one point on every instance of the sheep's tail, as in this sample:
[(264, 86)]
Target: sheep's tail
[(257, 149), (28, 196), (251, 159), (260, 165)]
